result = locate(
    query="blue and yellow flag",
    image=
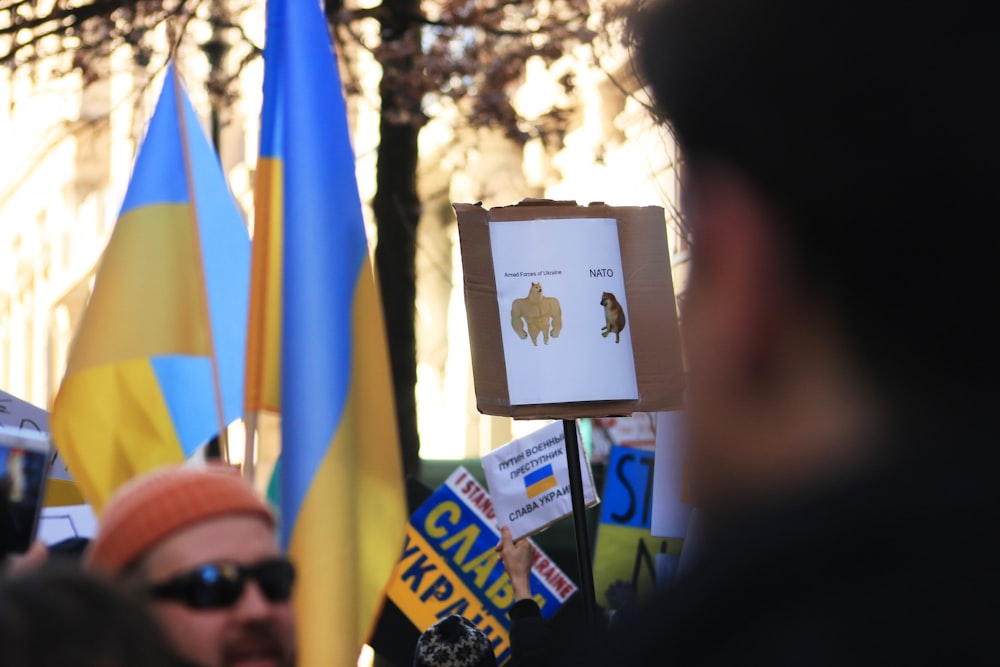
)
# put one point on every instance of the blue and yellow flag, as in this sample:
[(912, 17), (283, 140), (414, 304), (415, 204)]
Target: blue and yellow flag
[(539, 481), (263, 378), (171, 290), (343, 503)]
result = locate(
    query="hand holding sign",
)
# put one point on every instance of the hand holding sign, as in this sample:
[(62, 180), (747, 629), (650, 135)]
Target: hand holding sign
[(517, 557)]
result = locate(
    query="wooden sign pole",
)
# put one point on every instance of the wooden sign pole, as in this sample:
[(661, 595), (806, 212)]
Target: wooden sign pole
[(583, 559)]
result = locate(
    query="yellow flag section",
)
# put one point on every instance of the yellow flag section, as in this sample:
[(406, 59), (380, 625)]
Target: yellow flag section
[(263, 379), (450, 565), (110, 355)]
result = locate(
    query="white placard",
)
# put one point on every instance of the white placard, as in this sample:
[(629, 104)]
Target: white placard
[(61, 523), (671, 506), (564, 316), (21, 414), (528, 480)]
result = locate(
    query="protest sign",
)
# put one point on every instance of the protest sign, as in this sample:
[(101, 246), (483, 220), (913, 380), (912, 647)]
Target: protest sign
[(639, 430), (21, 414), (554, 290), (450, 565), (671, 495), (628, 557), (528, 480), (561, 296), (61, 523)]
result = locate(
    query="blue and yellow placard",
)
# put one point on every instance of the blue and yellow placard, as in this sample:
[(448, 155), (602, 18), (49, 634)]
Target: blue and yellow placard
[(626, 551), (450, 565)]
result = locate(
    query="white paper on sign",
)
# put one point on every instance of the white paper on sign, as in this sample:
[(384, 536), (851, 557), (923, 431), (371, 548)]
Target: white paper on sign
[(528, 480), (21, 414), (565, 321), (671, 508)]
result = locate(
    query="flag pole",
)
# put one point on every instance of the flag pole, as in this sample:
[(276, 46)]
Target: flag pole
[(200, 261), (249, 465)]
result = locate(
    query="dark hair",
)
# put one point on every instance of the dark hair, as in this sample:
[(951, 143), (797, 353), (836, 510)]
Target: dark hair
[(870, 127), (63, 617)]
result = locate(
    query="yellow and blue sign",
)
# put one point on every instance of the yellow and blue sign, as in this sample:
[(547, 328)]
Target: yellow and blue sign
[(539, 481), (450, 565), (626, 551)]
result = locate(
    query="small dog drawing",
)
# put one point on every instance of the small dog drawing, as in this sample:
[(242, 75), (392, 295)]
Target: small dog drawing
[(614, 316), (541, 313)]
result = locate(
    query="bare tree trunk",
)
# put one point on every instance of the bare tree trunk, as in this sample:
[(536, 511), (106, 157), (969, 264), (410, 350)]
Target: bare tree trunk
[(397, 211)]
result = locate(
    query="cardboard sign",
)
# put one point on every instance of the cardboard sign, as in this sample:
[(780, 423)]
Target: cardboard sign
[(629, 561), (529, 481), (671, 495), (450, 565), (594, 282)]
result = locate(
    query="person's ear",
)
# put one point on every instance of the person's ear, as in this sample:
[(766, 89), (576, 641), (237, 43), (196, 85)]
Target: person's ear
[(736, 260)]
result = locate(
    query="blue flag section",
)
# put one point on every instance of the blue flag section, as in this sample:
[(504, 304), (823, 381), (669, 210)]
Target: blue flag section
[(317, 325), (628, 494), (450, 565)]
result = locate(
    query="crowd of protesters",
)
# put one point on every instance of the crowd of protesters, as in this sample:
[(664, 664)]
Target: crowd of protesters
[(840, 167)]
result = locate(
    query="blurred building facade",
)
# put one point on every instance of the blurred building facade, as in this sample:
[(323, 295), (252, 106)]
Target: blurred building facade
[(68, 150)]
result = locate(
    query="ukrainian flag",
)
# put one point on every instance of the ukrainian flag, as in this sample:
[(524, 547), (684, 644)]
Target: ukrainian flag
[(342, 497), (539, 481), (170, 292), (263, 363)]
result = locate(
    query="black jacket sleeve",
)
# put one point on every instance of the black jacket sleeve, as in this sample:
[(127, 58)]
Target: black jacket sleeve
[(530, 636)]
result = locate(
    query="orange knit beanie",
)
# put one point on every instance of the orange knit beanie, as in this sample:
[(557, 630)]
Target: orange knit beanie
[(151, 507)]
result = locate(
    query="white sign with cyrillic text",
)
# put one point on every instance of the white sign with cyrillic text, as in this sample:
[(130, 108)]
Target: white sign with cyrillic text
[(529, 481)]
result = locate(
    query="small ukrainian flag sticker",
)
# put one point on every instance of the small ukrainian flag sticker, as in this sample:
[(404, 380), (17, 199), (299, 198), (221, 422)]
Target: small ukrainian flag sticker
[(539, 481)]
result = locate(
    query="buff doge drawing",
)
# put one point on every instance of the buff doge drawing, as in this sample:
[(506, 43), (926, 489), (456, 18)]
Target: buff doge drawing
[(614, 316), (539, 312)]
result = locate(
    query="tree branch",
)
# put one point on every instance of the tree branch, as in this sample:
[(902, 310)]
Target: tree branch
[(35, 38), (78, 14)]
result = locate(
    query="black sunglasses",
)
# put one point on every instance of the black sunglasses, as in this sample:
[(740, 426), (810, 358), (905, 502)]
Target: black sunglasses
[(220, 585)]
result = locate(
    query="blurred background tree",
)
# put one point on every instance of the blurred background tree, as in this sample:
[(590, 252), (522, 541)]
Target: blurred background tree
[(463, 56)]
